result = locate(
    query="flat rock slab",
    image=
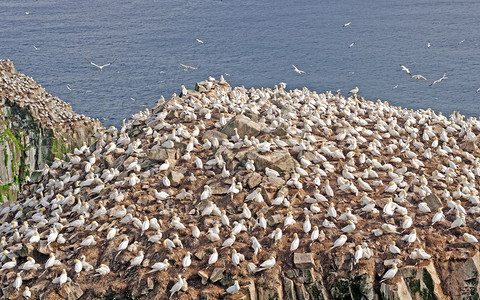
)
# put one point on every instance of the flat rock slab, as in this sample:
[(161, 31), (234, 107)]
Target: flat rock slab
[(433, 202), (303, 260), (245, 126), (217, 274), (211, 134), (280, 160)]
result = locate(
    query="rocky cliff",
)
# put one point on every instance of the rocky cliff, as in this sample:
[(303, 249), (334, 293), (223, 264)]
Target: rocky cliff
[(35, 127), (224, 193)]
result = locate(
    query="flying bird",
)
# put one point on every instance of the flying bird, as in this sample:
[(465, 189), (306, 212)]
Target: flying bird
[(186, 67), (100, 68), (405, 69), (351, 45), (428, 45), (347, 24), (419, 77), (297, 70), (200, 41), (440, 79)]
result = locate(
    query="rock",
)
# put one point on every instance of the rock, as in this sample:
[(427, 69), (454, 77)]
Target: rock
[(394, 291), (248, 289), (176, 178), (433, 202), (302, 293), (251, 268), (150, 284), (460, 278), (219, 188), (162, 154), (71, 291), (308, 275), (280, 160), (303, 260), (254, 179), (200, 254), (244, 125), (35, 128), (217, 274), (210, 134), (275, 219), (289, 289), (317, 290), (204, 275), (389, 262)]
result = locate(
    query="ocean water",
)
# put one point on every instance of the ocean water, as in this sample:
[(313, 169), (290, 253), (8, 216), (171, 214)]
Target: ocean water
[(254, 42)]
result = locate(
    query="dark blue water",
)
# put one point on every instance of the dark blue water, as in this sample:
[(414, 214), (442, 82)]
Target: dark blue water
[(255, 42)]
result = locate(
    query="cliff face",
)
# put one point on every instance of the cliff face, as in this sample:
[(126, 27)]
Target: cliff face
[(34, 128)]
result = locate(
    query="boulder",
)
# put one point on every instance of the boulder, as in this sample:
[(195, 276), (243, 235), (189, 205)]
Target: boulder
[(71, 291), (433, 202), (176, 178), (217, 274), (396, 290), (244, 125), (303, 260), (162, 154), (210, 134), (279, 160), (289, 289)]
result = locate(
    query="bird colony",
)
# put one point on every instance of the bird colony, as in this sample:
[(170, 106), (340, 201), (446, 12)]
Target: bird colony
[(242, 180), (26, 93)]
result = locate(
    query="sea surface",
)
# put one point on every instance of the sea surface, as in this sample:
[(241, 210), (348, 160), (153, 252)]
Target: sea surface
[(253, 43)]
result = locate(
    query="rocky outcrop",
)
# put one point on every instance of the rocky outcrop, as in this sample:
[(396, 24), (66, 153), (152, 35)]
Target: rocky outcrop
[(35, 128), (183, 162)]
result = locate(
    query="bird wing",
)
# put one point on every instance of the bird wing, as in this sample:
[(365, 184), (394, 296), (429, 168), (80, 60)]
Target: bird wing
[(93, 63), (106, 65)]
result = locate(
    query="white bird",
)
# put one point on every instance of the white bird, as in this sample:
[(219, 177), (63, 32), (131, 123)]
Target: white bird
[(26, 293), (234, 288), (470, 238), (307, 226), (423, 206), (438, 217), (177, 286), (390, 273), (350, 227), (187, 260), (137, 260), (159, 266), (100, 68), (393, 248), (18, 282), (268, 264), (213, 257), (62, 278), (187, 67), (199, 40), (102, 270), (295, 242), (297, 70), (235, 257), (358, 254), (339, 242), (255, 245), (347, 24), (405, 69)]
